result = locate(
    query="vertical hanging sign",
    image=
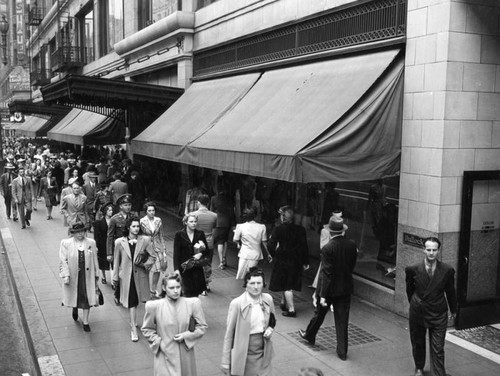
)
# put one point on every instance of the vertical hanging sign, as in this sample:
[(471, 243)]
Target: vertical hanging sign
[(20, 29)]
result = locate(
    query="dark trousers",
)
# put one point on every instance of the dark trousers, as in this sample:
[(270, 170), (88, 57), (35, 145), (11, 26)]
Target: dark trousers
[(10, 206), (436, 347), (341, 307)]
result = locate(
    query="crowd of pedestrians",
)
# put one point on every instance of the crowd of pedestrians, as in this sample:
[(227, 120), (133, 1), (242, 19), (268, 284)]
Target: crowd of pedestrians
[(106, 197)]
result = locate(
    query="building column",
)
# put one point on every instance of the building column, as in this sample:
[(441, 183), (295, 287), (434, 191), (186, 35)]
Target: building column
[(451, 120)]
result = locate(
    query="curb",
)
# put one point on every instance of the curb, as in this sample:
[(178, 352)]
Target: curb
[(45, 358)]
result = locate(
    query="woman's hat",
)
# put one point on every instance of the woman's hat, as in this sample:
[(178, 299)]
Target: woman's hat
[(10, 166), (72, 180), (336, 224), (104, 207), (77, 227)]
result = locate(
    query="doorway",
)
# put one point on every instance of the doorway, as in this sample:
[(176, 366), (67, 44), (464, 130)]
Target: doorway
[(478, 278)]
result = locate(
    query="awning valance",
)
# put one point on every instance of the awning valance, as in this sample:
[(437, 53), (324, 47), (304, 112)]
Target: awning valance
[(82, 127), (114, 94), (334, 120), (27, 107), (31, 125)]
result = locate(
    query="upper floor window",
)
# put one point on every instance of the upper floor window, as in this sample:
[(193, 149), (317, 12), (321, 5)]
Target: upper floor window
[(204, 3), (154, 10), (87, 33), (114, 24)]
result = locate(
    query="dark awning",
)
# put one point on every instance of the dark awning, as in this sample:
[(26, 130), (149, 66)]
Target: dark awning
[(39, 108), (334, 120), (31, 125), (101, 92), (82, 127)]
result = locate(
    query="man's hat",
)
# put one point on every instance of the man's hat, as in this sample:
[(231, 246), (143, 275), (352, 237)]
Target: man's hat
[(124, 199), (77, 227), (336, 224), (92, 175), (10, 166)]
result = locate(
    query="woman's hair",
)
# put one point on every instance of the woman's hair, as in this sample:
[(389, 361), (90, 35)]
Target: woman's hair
[(148, 204), (128, 223), (171, 277), (254, 272), (187, 216), (249, 214)]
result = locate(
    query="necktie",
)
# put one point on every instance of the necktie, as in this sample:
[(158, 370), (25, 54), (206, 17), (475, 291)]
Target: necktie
[(429, 271)]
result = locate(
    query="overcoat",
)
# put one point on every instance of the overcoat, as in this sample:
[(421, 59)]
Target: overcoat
[(428, 305), (124, 267), (236, 339), (193, 279), (164, 319), (68, 267), (101, 237), (155, 232)]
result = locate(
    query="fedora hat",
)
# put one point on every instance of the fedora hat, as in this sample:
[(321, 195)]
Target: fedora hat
[(77, 227), (10, 166), (336, 224)]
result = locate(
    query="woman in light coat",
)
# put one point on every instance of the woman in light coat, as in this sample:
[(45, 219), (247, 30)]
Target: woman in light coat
[(247, 349), (133, 279), (168, 330), (78, 267)]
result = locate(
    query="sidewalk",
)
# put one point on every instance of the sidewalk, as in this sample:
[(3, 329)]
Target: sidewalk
[(378, 343)]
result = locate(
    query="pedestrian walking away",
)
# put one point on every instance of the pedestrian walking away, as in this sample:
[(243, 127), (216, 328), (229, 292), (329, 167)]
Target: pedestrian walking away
[(430, 288), (6, 189), (335, 286), (173, 326), (288, 248)]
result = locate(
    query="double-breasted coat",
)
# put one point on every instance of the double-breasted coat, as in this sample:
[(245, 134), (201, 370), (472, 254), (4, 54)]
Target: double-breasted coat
[(193, 279), (428, 305), (22, 193), (68, 267), (124, 267), (164, 319), (236, 339)]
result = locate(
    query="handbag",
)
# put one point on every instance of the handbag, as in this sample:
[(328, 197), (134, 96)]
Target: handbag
[(100, 296), (192, 262), (192, 324), (144, 260)]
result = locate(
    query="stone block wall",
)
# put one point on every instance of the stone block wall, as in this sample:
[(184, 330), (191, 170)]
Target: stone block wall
[(451, 118)]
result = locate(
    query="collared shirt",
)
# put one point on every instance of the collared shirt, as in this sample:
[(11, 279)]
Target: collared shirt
[(430, 268), (257, 318)]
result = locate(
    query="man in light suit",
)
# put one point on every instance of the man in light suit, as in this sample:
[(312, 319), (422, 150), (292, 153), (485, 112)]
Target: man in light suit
[(22, 194), (118, 187), (335, 285), (430, 287), (74, 208), (6, 190)]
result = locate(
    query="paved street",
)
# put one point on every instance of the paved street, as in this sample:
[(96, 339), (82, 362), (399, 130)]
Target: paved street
[(379, 342)]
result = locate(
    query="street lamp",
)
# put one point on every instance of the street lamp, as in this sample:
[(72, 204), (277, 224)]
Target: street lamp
[(4, 27)]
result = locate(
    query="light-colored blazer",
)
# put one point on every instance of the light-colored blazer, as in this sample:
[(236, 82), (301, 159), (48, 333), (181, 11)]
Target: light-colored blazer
[(17, 190), (74, 212)]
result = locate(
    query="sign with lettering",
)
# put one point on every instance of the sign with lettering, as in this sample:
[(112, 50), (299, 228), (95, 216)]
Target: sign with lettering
[(413, 240)]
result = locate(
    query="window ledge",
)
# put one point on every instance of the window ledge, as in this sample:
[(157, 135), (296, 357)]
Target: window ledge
[(156, 31)]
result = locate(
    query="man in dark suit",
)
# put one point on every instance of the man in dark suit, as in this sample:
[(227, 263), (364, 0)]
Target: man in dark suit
[(335, 285), (90, 191), (22, 194), (427, 283), (6, 190), (116, 229)]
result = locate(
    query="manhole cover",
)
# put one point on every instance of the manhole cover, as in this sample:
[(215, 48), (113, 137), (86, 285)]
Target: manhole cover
[(488, 337), (326, 338)]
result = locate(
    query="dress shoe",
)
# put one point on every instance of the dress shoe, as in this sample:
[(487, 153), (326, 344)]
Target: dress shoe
[(117, 301), (289, 314), (302, 335), (14, 219), (86, 327), (419, 372), (133, 336), (28, 222), (342, 357), (23, 227), (75, 314)]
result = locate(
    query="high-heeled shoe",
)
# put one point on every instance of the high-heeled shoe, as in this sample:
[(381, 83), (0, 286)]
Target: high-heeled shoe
[(133, 336), (86, 327)]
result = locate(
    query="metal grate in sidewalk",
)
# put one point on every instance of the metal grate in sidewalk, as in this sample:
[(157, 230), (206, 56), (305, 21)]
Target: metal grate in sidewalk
[(326, 338)]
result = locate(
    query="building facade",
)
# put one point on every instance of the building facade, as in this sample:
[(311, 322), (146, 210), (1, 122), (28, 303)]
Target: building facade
[(386, 109)]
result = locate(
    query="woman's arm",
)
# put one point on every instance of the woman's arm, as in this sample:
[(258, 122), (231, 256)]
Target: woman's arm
[(149, 327)]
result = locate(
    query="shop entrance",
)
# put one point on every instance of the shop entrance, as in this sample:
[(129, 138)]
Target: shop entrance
[(478, 278)]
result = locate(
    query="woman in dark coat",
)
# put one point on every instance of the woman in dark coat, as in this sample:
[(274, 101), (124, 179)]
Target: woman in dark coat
[(190, 242), (101, 236)]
